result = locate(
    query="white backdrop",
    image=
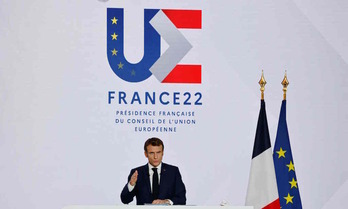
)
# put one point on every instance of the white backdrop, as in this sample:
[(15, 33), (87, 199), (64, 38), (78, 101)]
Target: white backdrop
[(59, 144)]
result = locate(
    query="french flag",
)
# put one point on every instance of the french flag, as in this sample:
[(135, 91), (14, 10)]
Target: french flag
[(262, 189)]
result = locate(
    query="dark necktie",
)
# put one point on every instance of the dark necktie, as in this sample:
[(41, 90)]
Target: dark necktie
[(155, 186)]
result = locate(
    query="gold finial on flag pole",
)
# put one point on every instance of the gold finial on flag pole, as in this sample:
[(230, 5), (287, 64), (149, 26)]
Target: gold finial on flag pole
[(262, 83), (285, 84)]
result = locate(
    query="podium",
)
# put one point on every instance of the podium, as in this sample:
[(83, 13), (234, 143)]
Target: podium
[(154, 207)]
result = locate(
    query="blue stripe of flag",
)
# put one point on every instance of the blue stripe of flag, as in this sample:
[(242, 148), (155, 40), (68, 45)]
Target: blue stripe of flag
[(262, 139)]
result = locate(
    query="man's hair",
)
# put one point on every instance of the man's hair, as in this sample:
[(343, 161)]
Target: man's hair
[(154, 142)]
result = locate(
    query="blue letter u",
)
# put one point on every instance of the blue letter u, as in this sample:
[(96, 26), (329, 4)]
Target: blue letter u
[(115, 46)]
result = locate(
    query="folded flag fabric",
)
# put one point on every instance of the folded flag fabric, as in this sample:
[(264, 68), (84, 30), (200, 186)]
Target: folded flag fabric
[(262, 189), (289, 195)]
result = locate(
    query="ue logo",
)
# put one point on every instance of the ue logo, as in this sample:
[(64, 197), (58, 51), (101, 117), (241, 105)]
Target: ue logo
[(157, 23)]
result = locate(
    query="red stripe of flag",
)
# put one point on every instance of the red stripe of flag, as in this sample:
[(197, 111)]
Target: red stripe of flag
[(185, 74), (185, 18), (273, 205)]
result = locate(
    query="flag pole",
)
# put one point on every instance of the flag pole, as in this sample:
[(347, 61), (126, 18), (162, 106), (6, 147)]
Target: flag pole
[(285, 84), (262, 83)]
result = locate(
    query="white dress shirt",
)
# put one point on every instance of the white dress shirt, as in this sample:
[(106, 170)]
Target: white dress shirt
[(151, 173)]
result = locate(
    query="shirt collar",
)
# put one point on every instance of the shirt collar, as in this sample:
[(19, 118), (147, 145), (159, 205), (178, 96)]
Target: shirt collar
[(158, 168)]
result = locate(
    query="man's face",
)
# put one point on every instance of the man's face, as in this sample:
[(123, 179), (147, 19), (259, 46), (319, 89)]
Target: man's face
[(154, 154)]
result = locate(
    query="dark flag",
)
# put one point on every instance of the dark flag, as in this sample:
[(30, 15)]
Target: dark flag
[(289, 195)]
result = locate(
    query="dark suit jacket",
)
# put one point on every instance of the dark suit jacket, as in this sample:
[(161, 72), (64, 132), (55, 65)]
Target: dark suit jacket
[(171, 186)]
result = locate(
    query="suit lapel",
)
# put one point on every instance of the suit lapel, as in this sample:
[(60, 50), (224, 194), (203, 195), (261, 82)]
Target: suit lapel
[(147, 178), (163, 178)]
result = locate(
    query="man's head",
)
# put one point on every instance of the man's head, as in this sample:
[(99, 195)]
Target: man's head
[(153, 150)]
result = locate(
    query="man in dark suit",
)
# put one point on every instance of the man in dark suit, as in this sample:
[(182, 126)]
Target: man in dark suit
[(155, 182)]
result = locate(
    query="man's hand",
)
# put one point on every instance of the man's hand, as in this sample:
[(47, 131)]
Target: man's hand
[(162, 202), (134, 178)]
